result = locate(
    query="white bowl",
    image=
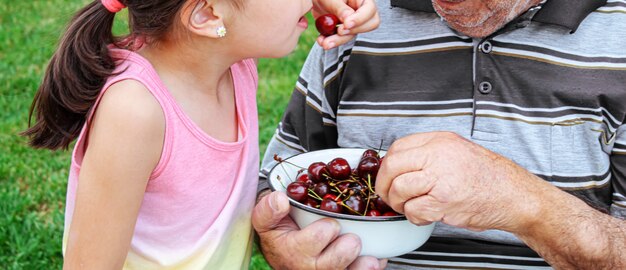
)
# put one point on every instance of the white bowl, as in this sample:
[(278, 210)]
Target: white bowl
[(381, 237)]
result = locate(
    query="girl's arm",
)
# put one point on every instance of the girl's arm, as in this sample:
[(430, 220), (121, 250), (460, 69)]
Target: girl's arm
[(124, 146)]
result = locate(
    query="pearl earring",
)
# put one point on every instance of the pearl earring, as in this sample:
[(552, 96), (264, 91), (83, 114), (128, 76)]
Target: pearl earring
[(221, 31)]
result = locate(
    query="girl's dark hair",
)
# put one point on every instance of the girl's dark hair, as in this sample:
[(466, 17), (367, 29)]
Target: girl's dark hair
[(80, 66)]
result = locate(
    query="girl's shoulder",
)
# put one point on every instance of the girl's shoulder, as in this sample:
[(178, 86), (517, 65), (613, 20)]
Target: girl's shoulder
[(128, 119), (130, 98)]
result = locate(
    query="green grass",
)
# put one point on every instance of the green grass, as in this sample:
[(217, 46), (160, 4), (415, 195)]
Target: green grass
[(33, 182)]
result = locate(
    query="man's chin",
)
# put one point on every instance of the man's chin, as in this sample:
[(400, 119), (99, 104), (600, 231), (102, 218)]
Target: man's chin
[(473, 26), (474, 32)]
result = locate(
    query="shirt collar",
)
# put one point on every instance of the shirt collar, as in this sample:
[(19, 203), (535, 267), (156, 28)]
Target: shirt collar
[(564, 13)]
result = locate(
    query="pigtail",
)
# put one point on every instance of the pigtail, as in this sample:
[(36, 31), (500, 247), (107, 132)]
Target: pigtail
[(73, 79)]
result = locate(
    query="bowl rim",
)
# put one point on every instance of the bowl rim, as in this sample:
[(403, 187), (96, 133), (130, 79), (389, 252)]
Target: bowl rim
[(326, 213)]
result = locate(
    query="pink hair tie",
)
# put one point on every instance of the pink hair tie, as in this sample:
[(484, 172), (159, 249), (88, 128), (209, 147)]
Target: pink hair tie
[(113, 5)]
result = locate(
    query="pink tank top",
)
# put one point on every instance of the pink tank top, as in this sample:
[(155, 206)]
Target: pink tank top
[(197, 206)]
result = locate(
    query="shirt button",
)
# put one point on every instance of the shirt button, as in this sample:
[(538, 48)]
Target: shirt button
[(485, 88), (486, 47)]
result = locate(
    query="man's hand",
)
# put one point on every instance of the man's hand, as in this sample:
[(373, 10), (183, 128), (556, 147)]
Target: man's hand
[(441, 176), (316, 246), (358, 16)]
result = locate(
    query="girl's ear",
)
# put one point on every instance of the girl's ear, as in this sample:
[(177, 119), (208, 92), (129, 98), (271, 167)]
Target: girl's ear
[(205, 19)]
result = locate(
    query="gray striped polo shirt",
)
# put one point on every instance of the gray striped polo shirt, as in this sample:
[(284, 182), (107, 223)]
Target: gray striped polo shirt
[(548, 92)]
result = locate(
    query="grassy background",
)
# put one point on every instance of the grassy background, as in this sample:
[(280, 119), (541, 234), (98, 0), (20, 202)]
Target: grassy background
[(33, 182)]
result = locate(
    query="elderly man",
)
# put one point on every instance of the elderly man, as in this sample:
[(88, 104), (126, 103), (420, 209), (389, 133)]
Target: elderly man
[(504, 121)]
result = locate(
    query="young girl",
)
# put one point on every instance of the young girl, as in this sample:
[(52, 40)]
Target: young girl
[(165, 166)]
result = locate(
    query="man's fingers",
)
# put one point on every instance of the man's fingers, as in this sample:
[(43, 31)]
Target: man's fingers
[(316, 236), (360, 28), (270, 211), (415, 140), (317, 10), (356, 16), (342, 37), (423, 210), (408, 186), (398, 163), (333, 41), (320, 40), (341, 253), (366, 13), (338, 8), (368, 262)]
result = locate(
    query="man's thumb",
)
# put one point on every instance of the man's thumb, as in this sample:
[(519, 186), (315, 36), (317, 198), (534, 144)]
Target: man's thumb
[(270, 210)]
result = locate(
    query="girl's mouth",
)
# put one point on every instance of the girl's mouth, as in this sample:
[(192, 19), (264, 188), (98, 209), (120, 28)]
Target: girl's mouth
[(303, 22)]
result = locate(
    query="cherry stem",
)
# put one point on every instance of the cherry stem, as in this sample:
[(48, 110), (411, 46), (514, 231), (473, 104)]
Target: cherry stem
[(328, 177), (280, 160), (343, 181), (314, 195), (339, 191), (369, 185), (339, 196), (281, 182), (349, 208), (284, 170)]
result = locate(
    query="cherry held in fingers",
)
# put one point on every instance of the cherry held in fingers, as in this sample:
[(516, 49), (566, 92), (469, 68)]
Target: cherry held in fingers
[(327, 24)]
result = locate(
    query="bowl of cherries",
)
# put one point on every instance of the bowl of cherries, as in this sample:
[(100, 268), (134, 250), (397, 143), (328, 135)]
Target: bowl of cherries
[(339, 184)]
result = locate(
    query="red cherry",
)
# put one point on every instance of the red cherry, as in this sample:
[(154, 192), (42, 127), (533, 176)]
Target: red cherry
[(330, 196), (370, 153), (312, 203), (374, 213), (343, 186), (339, 169), (355, 203), (327, 24), (321, 189), (297, 191), (368, 166), (304, 178), (318, 171), (381, 205), (358, 188), (390, 214), (330, 206)]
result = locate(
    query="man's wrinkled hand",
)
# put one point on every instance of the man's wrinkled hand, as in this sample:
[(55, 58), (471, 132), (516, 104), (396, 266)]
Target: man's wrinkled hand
[(441, 176), (317, 246)]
